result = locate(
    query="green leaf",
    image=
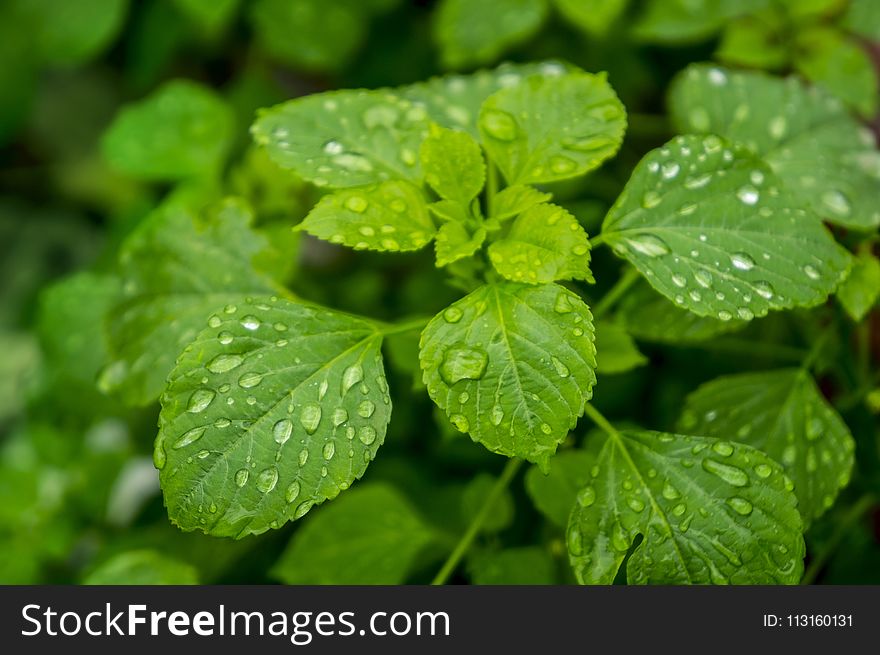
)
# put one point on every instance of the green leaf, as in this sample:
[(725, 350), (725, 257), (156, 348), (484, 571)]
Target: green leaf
[(512, 365), (474, 497), (616, 350), (211, 15), (142, 567), (755, 42), (863, 18), (514, 200), (860, 291), (182, 130), (455, 241), (178, 267), (783, 414), (545, 243), (681, 21), (550, 129), (309, 34), (454, 100), (372, 535), (391, 216), (709, 511), (841, 65), (526, 565), (453, 164), (648, 316), (708, 225), (820, 153), (272, 409), (593, 17), (554, 493), (470, 33), (71, 33), (345, 138)]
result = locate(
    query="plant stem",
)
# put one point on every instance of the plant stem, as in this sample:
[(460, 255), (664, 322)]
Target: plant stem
[(616, 292), (600, 420), (473, 529), (597, 240), (491, 187), (815, 351), (854, 513), (406, 326)]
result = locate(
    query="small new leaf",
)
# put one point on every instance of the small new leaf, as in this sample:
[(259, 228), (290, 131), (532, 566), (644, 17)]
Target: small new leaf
[(711, 229), (783, 414), (545, 243), (391, 216), (371, 535), (554, 492), (343, 139), (550, 129), (709, 512), (823, 156), (512, 365), (457, 240), (514, 200), (272, 409), (453, 164)]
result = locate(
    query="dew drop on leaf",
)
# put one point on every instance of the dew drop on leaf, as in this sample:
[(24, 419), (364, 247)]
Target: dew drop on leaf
[(463, 363)]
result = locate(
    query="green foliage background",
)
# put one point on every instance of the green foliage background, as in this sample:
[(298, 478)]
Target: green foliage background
[(153, 211)]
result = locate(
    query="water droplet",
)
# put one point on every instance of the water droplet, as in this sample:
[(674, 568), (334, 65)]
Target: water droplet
[(159, 454), (225, 338), (267, 479), (748, 195), (282, 431), (340, 416), (292, 492), (310, 417), (303, 509), (635, 504), (322, 389), (367, 231), (452, 315), (619, 539), (199, 400), (189, 437), (669, 492), (732, 475), (463, 363), (651, 199), (215, 321), (742, 261), (723, 448), (777, 127), (670, 170), (366, 434), (561, 369), (351, 376), (740, 505), (329, 450), (724, 315), (679, 280), (459, 422), (250, 322), (281, 327), (563, 303), (303, 456), (463, 397), (562, 165), (357, 204), (811, 272), (224, 363), (745, 313), (333, 147), (703, 278), (648, 244), (764, 289), (241, 477), (499, 124), (497, 414), (837, 203), (249, 380), (717, 76), (366, 408), (586, 497)]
